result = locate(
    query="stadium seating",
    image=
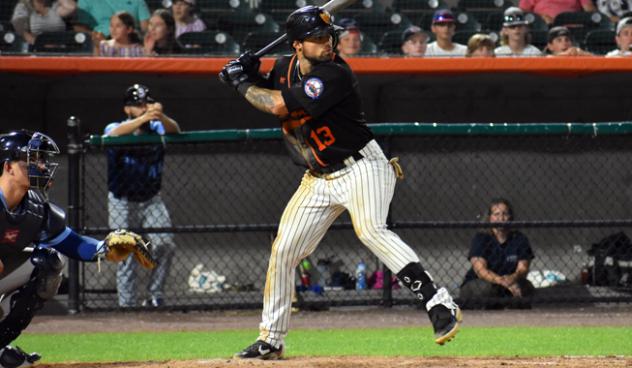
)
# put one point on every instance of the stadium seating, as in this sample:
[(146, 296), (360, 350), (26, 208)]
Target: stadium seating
[(482, 9), (600, 41), (240, 22), (6, 10), (67, 42), (369, 48), (463, 36), (10, 43), (209, 43), (280, 9), (539, 39), (374, 24), (467, 22), (254, 41), (418, 6), (580, 23)]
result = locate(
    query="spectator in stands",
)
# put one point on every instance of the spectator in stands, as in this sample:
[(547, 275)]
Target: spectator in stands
[(549, 9), (480, 45), (134, 199), (94, 16), (186, 19), (514, 36), (443, 27), (161, 36), (124, 41), (500, 259), (615, 9), (414, 42), (623, 38), (32, 17), (350, 40), (560, 43)]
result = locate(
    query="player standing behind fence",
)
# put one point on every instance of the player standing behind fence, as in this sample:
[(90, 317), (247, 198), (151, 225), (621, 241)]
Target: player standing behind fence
[(316, 96), (134, 182)]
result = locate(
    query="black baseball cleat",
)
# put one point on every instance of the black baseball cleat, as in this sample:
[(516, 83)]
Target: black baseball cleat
[(445, 316), (261, 350), (11, 357)]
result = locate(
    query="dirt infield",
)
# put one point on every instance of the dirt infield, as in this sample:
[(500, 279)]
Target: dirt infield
[(341, 318)]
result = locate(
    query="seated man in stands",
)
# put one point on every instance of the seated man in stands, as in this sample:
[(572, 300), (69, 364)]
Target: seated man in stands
[(560, 43), (623, 38), (443, 28), (548, 9), (350, 40), (500, 260), (414, 42)]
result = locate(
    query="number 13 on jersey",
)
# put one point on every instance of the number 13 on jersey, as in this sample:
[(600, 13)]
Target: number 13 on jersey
[(323, 137)]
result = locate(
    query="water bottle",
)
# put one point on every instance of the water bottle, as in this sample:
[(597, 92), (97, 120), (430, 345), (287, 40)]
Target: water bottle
[(360, 276)]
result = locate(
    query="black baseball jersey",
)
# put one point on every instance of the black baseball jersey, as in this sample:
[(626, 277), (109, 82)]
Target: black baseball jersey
[(326, 123)]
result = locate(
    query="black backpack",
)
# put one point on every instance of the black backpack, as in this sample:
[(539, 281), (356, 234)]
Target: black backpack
[(612, 261)]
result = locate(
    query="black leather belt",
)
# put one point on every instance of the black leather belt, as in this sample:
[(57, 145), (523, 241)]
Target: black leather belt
[(339, 166)]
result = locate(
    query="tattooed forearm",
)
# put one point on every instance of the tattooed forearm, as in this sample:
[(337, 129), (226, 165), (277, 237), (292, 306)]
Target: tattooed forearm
[(266, 100)]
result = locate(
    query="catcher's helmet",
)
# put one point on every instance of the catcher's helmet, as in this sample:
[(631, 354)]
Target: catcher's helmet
[(309, 21), (36, 149), (138, 94)]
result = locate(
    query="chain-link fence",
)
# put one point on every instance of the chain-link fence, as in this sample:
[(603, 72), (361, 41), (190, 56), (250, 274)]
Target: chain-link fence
[(570, 185)]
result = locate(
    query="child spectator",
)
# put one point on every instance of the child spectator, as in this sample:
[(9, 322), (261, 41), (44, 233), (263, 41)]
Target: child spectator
[(414, 42), (560, 43), (186, 20), (33, 17), (443, 28), (161, 36), (623, 38), (124, 40), (514, 36), (480, 45), (350, 40), (94, 16), (549, 9)]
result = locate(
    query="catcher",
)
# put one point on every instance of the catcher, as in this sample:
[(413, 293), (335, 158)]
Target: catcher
[(33, 233)]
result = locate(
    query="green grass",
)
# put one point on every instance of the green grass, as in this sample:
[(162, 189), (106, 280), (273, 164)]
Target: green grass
[(471, 341)]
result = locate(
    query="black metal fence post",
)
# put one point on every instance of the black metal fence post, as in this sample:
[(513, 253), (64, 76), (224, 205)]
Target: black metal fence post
[(74, 155)]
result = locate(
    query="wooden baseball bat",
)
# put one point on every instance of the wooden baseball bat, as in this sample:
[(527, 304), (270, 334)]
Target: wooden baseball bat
[(331, 6)]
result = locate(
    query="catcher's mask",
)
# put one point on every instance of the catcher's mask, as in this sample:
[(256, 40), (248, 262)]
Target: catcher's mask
[(310, 21), (34, 148)]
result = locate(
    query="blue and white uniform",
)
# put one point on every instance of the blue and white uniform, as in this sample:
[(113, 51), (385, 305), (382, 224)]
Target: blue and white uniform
[(134, 201)]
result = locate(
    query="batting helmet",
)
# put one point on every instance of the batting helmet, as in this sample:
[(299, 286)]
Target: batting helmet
[(309, 21), (36, 149), (137, 94)]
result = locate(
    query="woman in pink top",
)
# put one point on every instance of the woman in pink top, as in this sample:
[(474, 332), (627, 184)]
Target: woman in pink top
[(124, 41), (549, 9)]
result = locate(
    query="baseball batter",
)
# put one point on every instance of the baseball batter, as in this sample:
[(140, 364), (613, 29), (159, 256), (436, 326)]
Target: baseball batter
[(315, 94)]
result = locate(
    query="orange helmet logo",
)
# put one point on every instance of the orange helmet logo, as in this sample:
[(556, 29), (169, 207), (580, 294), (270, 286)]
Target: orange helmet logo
[(325, 16)]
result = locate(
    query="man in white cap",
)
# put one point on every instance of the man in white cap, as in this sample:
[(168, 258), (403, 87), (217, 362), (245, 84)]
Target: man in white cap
[(515, 36), (623, 38)]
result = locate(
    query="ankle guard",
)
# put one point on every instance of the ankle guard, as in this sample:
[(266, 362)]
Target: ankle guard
[(415, 278)]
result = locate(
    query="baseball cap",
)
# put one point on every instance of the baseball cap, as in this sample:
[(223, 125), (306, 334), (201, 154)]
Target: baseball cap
[(169, 3), (558, 31), (624, 22), (443, 16), (514, 16), (411, 31), (348, 25)]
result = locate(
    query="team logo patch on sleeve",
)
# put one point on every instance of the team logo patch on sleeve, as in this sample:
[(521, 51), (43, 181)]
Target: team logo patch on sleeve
[(313, 88)]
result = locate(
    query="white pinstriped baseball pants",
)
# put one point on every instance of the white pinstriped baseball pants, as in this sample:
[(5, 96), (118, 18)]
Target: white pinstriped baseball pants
[(365, 189)]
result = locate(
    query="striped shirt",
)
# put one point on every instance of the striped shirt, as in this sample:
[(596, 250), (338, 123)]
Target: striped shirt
[(107, 48)]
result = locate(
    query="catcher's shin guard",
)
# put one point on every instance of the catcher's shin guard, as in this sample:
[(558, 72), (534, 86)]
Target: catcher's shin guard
[(26, 300)]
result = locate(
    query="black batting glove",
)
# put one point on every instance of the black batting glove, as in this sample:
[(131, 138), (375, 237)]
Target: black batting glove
[(233, 74), (250, 62)]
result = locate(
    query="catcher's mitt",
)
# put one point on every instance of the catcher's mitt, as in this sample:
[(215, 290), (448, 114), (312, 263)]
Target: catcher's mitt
[(121, 243)]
